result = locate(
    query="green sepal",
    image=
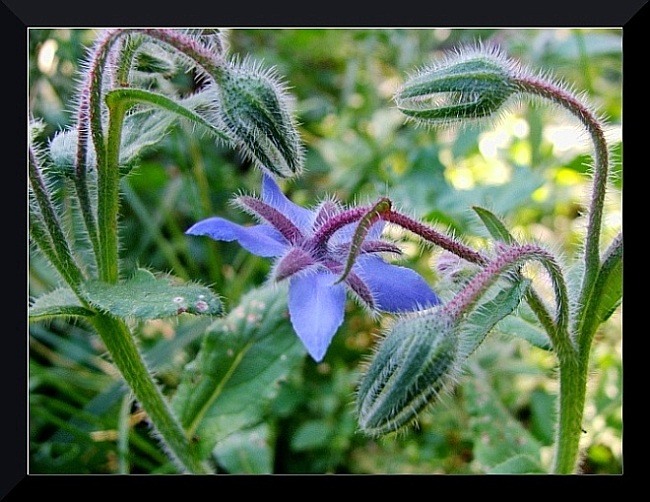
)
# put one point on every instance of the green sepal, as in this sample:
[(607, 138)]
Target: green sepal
[(145, 296), (483, 319), (465, 87), (253, 110), (413, 364)]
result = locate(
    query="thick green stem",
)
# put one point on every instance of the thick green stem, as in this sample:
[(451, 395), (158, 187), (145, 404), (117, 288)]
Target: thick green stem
[(573, 388), (108, 197), (124, 352)]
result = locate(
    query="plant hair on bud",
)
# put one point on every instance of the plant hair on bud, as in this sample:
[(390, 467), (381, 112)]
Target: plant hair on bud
[(416, 361)]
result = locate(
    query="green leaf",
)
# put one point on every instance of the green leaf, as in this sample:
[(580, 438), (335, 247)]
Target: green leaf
[(612, 292), (243, 359), (499, 436), (496, 228), (481, 321), (61, 302), (312, 435), (542, 416), (516, 326), (246, 452), (519, 464), (144, 297), (142, 129), (180, 108)]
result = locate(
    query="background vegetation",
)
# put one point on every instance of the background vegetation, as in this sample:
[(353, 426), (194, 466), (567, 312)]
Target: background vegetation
[(529, 166)]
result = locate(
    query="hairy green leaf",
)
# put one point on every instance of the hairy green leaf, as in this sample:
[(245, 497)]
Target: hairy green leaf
[(144, 297), (243, 359), (61, 302), (499, 436), (246, 452), (496, 228), (487, 315), (517, 326), (612, 292), (518, 464)]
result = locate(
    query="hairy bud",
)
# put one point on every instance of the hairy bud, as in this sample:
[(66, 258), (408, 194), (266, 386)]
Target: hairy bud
[(414, 362), (253, 110), (471, 84)]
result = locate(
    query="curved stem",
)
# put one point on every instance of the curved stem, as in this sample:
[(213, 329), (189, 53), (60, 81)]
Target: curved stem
[(467, 253), (574, 367), (58, 243), (548, 90), (508, 259), (124, 352), (431, 235)]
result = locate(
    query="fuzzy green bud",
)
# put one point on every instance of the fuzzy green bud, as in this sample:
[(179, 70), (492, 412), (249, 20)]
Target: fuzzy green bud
[(253, 111), (471, 84), (416, 360)]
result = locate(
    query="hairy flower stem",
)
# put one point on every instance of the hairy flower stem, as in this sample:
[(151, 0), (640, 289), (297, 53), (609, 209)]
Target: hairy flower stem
[(209, 61), (574, 370), (382, 211), (431, 235), (108, 180), (506, 260), (89, 124), (124, 352), (548, 90), (435, 237), (57, 242)]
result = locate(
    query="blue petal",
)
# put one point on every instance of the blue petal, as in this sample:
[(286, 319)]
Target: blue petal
[(395, 289), (316, 308), (261, 240), (272, 195)]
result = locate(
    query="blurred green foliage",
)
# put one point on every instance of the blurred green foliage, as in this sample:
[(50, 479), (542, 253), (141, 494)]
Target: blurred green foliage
[(528, 167)]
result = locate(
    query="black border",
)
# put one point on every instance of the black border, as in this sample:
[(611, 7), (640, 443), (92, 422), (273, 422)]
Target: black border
[(18, 15), (475, 13)]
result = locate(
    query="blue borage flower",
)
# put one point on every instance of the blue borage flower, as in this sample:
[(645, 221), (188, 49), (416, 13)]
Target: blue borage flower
[(311, 248)]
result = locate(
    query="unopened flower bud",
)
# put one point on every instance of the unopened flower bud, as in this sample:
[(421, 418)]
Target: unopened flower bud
[(254, 112), (471, 84), (414, 362)]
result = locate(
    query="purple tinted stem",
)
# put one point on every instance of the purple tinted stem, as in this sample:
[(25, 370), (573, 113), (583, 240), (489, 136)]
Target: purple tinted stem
[(434, 237)]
